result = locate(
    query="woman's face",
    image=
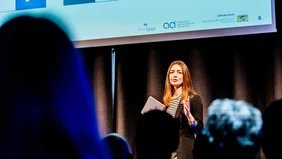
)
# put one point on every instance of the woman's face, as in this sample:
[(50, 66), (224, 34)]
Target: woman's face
[(176, 76)]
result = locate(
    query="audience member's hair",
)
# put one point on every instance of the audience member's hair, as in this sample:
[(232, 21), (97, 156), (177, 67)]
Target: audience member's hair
[(157, 135), (47, 108), (233, 130), (117, 146), (271, 130)]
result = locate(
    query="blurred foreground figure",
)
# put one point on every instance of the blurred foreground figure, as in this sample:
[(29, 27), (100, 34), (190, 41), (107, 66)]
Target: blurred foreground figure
[(233, 130), (117, 146), (47, 108), (157, 135), (271, 130)]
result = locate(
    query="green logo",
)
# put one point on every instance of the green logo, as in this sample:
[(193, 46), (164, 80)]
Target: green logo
[(242, 18)]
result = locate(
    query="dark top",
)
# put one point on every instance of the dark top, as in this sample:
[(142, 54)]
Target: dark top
[(186, 132)]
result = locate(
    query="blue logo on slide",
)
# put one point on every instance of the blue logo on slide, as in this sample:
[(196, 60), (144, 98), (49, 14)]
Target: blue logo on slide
[(73, 2), (30, 4), (169, 25)]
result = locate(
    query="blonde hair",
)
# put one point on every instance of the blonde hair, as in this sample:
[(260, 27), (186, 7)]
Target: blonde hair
[(187, 88)]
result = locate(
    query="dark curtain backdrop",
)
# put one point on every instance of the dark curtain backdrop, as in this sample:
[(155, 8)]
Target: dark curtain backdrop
[(99, 63), (240, 67)]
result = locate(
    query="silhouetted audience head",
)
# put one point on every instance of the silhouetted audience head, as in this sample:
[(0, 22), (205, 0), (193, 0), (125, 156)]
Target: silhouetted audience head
[(271, 130), (157, 135), (47, 108), (233, 130), (117, 146)]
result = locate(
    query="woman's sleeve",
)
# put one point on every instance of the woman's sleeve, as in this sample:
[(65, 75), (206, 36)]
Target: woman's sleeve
[(197, 112)]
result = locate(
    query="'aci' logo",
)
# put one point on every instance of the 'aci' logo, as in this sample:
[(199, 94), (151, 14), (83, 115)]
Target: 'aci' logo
[(169, 25)]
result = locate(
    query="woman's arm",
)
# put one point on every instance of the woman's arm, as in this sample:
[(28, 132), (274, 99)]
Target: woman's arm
[(196, 108)]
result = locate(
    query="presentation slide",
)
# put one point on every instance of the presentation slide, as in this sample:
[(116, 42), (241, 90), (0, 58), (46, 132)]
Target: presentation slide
[(103, 19)]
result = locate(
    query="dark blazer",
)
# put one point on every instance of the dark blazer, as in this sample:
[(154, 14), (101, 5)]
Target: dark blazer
[(186, 132)]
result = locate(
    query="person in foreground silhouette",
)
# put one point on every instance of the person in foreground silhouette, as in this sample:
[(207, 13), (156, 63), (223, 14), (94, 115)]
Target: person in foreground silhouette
[(233, 131), (271, 130), (117, 146), (47, 108), (157, 135)]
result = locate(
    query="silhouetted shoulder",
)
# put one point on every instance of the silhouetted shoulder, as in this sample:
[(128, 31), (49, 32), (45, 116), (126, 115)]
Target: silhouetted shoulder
[(273, 108)]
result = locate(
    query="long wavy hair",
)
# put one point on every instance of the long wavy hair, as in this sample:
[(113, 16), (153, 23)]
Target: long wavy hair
[(187, 87)]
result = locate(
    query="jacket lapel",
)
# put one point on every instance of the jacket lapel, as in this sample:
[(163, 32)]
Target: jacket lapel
[(178, 110)]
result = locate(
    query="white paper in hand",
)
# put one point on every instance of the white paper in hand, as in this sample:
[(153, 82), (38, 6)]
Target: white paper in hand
[(153, 104)]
